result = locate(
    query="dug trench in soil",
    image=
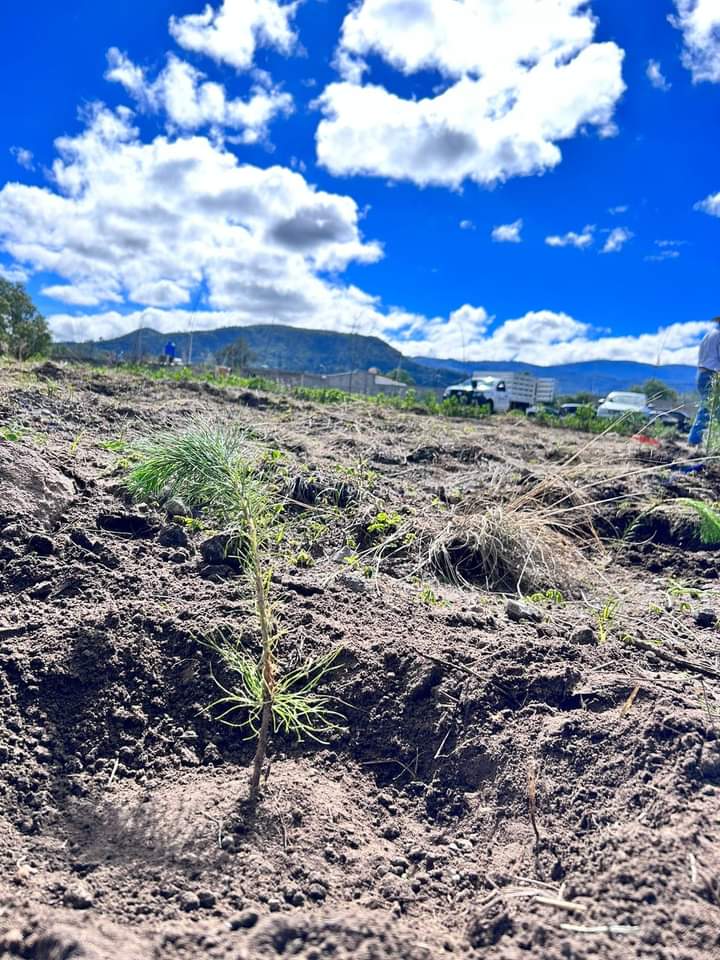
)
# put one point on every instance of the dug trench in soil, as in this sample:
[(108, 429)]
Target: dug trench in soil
[(408, 834)]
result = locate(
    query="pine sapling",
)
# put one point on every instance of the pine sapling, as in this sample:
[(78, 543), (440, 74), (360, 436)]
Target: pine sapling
[(218, 471)]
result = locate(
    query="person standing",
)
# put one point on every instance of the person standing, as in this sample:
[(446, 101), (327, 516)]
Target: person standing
[(170, 352), (708, 368)]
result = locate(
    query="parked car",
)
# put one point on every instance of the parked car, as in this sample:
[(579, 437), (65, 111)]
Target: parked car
[(570, 409), (618, 404)]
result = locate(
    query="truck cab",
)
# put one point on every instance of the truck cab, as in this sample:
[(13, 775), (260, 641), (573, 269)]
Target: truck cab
[(482, 391)]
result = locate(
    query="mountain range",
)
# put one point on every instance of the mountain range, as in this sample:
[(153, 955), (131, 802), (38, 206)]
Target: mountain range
[(274, 346)]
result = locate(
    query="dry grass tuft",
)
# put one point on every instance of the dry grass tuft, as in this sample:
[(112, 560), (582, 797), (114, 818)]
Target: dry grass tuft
[(506, 549)]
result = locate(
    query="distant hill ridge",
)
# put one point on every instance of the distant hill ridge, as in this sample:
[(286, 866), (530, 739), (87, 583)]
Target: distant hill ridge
[(323, 351)]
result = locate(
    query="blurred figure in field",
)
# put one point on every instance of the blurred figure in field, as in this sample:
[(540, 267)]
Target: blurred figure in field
[(170, 352), (708, 368)]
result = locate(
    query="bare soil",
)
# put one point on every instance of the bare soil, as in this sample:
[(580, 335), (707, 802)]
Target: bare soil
[(409, 835)]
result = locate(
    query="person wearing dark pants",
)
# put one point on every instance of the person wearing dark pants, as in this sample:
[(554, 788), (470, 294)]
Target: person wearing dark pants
[(708, 367)]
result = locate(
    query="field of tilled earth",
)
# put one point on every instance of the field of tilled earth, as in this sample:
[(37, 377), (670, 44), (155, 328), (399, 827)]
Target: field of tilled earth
[(527, 762)]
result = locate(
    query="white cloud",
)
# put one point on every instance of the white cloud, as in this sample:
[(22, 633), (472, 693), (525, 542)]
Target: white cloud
[(25, 158), (699, 21), (14, 273), (523, 75), (616, 211), (540, 336), (655, 76), (191, 102), (231, 33), (467, 225), (81, 295), (508, 232), (709, 205), (662, 256), (573, 239), (617, 239), (129, 221)]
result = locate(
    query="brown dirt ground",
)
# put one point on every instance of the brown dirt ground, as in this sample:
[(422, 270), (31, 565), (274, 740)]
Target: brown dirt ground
[(408, 835)]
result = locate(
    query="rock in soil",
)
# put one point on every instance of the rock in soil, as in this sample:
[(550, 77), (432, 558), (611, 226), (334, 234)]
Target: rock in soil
[(706, 617), (517, 612), (30, 486)]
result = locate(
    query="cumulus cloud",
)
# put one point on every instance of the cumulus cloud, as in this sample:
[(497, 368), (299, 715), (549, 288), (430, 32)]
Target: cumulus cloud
[(655, 76), (709, 205), (540, 336), (617, 239), (699, 21), (573, 239), (127, 221), (23, 157), (232, 32), (508, 232), (520, 77), (467, 225), (191, 102)]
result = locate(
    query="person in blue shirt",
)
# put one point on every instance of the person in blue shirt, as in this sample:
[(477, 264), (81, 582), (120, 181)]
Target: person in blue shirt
[(708, 368), (170, 352)]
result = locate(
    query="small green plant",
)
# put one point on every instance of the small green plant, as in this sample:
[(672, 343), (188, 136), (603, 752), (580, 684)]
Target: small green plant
[(709, 518), (12, 434), (428, 596), (75, 445), (551, 596), (605, 618), (384, 523), (302, 559), (216, 470), (114, 446)]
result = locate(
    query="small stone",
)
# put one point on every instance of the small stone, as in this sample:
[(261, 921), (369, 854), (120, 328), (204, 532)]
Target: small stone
[(390, 833), (189, 901), (343, 554), (317, 892), (79, 896), (274, 905), (584, 635), (220, 549), (356, 584), (41, 545), (175, 507), (173, 536), (297, 899), (207, 898), (706, 617), (519, 611), (244, 920)]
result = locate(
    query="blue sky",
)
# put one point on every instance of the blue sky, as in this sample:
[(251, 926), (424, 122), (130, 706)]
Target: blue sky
[(523, 179)]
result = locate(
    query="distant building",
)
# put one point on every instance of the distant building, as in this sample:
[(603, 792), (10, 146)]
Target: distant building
[(367, 382)]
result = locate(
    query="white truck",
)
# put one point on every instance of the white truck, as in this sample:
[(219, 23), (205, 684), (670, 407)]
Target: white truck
[(503, 391)]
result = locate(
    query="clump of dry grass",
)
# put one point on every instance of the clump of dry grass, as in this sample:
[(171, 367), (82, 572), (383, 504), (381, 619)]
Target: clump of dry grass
[(504, 549)]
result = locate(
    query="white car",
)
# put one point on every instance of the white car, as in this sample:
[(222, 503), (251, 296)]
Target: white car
[(617, 404)]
